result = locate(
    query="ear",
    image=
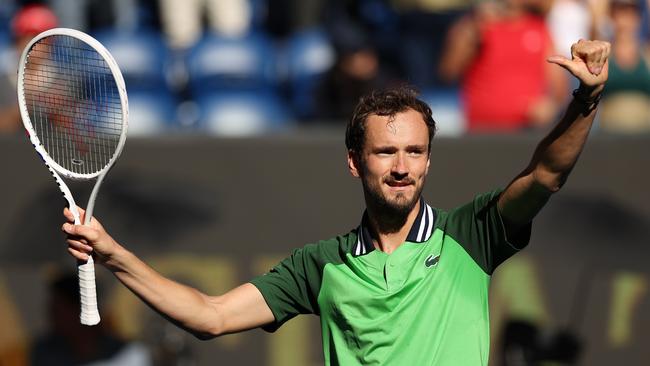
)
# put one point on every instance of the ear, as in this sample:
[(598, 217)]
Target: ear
[(353, 164)]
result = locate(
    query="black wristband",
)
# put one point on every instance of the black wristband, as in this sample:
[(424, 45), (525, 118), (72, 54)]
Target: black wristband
[(588, 101)]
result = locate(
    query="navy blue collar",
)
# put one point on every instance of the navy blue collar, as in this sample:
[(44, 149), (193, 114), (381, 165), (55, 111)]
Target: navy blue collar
[(420, 232)]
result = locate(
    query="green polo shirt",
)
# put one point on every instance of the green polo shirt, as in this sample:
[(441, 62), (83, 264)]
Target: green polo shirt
[(424, 304)]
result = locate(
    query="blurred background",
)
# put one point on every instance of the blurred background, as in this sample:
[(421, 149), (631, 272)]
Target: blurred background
[(236, 156)]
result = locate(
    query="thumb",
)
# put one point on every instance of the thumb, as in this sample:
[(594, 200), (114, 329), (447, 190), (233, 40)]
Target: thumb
[(576, 67), (562, 61)]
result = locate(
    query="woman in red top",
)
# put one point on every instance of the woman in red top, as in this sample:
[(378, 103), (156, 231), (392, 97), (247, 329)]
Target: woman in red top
[(500, 52)]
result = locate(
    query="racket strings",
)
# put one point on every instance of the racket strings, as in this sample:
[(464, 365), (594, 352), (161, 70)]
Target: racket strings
[(73, 102)]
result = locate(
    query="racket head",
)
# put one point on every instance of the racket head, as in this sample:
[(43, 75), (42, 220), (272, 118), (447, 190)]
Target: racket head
[(73, 102)]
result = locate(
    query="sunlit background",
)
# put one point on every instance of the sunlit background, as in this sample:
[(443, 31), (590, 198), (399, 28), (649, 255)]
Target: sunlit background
[(235, 156)]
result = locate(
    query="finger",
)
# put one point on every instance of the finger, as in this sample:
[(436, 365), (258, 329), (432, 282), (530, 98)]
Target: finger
[(68, 214), (82, 218), (557, 59), (603, 57), (591, 57), (79, 246), (601, 54), (82, 214), (79, 255), (80, 211), (564, 62), (66, 230), (587, 53), (598, 61), (576, 49), (605, 70), (595, 68), (82, 231)]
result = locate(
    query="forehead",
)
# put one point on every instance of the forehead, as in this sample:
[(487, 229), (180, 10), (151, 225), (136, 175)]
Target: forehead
[(404, 128)]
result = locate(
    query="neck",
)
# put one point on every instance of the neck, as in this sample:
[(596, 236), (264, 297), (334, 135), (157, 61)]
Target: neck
[(390, 230)]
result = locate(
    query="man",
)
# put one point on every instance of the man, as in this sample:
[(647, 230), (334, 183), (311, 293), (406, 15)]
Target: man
[(67, 342), (25, 25), (410, 285)]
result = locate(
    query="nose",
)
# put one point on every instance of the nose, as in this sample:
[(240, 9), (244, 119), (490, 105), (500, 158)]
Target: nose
[(400, 167)]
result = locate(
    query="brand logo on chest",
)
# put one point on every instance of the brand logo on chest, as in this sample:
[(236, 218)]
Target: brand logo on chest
[(431, 260)]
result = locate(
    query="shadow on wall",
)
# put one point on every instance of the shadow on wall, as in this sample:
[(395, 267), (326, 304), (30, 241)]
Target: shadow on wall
[(148, 210)]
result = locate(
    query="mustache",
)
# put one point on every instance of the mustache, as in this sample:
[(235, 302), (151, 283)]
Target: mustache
[(392, 180)]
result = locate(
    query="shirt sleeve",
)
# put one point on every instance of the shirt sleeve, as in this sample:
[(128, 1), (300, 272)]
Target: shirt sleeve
[(479, 229), (288, 288)]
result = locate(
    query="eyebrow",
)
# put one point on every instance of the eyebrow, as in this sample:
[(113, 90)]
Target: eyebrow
[(393, 147), (413, 147)]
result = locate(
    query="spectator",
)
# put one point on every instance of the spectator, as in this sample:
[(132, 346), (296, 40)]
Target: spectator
[(626, 102), (70, 343), (645, 31), (379, 23), (13, 340), (284, 17), (602, 28), (182, 20), (424, 25), (356, 72), (91, 15), (499, 51), (28, 22)]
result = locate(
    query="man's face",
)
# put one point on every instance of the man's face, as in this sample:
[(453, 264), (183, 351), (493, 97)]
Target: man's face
[(394, 161)]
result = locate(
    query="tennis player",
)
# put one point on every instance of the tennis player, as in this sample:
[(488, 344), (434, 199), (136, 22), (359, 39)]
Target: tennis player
[(408, 286)]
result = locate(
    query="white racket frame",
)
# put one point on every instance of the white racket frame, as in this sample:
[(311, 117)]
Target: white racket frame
[(88, 294)]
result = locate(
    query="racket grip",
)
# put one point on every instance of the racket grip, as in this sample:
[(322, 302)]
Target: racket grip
[(88, 293)]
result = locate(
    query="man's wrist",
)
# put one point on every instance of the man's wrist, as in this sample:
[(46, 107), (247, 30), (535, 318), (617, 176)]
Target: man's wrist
[(116, 261), (588, 96), (588, 92)]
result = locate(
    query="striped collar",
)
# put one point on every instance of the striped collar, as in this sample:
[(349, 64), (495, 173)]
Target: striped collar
[(420, 231)]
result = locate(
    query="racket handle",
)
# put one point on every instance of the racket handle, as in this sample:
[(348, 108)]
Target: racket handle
[(88, 293)]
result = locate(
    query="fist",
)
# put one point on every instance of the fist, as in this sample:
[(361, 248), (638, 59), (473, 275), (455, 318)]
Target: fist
[(85, 240)]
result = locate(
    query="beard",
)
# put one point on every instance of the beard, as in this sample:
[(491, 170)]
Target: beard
[(391, 212)]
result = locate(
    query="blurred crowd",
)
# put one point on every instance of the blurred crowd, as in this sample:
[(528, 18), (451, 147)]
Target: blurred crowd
[(240, 67)]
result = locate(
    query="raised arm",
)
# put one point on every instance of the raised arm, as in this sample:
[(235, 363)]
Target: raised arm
[(461, 46), (204, 316), (558, 152)]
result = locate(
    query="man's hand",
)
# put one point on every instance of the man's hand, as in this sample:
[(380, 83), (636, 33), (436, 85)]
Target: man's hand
[(84, 240), (588, 62)]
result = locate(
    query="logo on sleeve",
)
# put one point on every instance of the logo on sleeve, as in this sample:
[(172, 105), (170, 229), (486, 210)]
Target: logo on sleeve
[(431, 260)]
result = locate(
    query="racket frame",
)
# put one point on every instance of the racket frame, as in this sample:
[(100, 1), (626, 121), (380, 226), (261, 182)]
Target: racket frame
[(89, 312)]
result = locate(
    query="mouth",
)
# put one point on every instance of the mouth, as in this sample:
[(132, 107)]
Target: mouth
[(401, 184)]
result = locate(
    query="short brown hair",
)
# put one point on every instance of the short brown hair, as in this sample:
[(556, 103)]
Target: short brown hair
[(386, 102)]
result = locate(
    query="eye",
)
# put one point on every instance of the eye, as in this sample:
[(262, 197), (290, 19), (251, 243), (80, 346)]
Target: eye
[(416, 151), (385, 152)]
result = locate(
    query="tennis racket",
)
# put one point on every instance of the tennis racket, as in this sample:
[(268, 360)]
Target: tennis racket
[(74, 107)]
